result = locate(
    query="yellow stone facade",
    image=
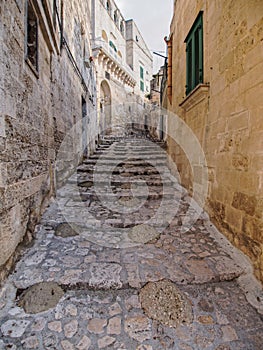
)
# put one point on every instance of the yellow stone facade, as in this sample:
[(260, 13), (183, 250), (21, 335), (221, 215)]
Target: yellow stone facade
[(225, 113)]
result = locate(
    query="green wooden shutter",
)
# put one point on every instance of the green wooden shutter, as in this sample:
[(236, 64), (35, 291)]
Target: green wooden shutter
[(141, 73), (194, 55)]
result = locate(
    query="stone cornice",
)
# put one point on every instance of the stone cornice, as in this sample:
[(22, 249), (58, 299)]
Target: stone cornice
[(195, 97)]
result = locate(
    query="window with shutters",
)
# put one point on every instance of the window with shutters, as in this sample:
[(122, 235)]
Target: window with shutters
[(194, 55)]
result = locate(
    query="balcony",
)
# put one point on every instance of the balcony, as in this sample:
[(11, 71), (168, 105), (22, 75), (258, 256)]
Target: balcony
[(107, 58)]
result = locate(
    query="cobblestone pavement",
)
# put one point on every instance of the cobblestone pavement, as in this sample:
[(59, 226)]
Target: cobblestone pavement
[(118, 263)]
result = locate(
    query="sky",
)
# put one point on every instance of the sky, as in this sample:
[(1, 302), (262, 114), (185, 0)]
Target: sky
[(153, 19)]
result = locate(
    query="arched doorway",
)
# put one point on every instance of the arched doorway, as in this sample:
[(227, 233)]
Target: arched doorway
[(105, 107)]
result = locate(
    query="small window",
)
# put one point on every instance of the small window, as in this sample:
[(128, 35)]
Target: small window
[(194, 55), (55, 13), (108, 6), (115, 17), (113, 46), (141, 72), (122, 28), (104, 36), (31, 37), (142, 86)]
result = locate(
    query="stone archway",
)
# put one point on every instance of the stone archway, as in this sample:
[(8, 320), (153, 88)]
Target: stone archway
[(105, 107)]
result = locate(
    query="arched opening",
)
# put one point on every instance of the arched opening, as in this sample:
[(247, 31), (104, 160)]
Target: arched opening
[(104, 36), (105, 108)]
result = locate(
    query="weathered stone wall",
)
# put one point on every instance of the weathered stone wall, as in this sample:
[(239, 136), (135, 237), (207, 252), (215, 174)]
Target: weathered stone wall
[(36, 112), (226, 116)]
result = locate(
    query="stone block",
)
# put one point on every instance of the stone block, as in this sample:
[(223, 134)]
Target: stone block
[(250, 247), (253, 227), (256, 117), (238, 121), (250, 181), (244, 202), (3, 175), (217, 127), (259, 208), (234, 218), (227, 61), (254, 143), (12, 230), (234, 73), (2, 126), (219, 210), (240, 162), (251, 78), (252, 96)]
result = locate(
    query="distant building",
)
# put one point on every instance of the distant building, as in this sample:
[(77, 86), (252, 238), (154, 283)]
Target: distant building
[(156, 87), (123, 63), (215, 84), (139, 58)]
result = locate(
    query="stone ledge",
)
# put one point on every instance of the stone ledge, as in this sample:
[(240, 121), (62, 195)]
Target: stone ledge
[(196, 96)]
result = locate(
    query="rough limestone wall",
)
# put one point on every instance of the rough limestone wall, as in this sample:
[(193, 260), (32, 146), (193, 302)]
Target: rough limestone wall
[(25, 113), (228, 122), (35, 114), (236, 125), (67, 90)]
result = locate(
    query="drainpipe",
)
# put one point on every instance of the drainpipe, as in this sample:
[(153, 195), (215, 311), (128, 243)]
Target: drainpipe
[(93, 36), (169, 42)]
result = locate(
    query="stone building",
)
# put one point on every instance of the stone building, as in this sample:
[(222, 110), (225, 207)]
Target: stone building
[(139, 58), (156, 87), (123, 63), (47, 85), (114, 76), (215, 51)]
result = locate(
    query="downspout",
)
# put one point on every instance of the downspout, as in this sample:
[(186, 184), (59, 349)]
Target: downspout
[(93, 37), (169, 43)]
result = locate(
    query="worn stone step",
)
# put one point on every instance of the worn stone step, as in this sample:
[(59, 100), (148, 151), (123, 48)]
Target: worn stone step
[(124, 172), (150, 179), (114, 197), (121, 182), (125, 157), (110, 162), (133, 149), (119, 192)]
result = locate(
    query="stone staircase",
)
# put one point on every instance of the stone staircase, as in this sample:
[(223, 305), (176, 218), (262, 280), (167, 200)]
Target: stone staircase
[(119, 263)]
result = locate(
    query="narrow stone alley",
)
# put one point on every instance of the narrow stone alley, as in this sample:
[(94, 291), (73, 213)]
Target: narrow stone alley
[(123, 259)]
